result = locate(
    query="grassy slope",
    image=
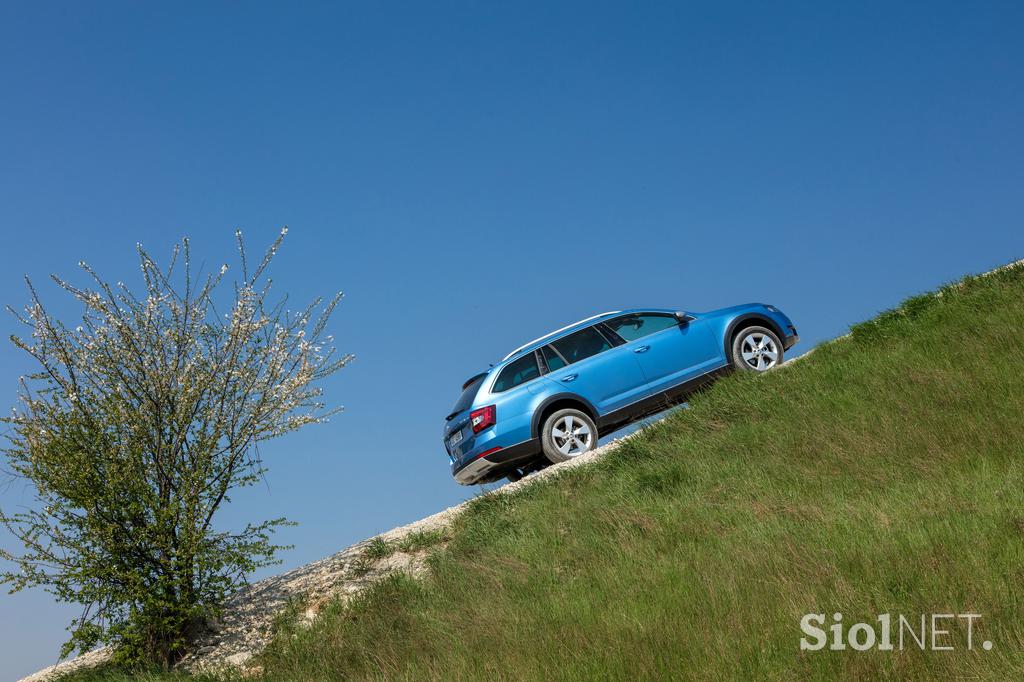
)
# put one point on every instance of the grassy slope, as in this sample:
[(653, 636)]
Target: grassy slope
[(883, 473)]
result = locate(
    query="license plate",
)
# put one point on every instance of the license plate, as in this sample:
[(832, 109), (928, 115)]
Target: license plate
[(455, 439)]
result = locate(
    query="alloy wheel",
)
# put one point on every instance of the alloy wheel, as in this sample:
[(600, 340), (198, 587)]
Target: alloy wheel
[(572, 436), (759, 351)]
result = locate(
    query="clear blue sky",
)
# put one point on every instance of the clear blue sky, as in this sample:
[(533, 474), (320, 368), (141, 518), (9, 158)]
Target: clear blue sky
[(473, 177)]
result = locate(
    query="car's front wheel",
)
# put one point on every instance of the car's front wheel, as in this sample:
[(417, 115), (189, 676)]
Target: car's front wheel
[(756, 349), (567, 434)]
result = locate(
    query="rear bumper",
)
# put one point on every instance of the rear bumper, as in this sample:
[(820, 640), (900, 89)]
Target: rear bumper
[(497, 464), (792, 338)]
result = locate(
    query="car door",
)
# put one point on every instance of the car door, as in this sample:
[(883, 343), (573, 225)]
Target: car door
[(587, 363), (669, 352)]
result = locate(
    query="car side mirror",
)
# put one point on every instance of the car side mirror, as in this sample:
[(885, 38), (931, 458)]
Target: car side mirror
[(683, 317)]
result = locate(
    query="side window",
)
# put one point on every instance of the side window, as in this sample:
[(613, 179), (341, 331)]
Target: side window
[(581, 345), (553, 359), (633, 327), (517, 372)]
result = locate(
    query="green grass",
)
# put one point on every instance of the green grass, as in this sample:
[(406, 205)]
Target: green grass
[(378, 548), (881, 474), (422, 539)]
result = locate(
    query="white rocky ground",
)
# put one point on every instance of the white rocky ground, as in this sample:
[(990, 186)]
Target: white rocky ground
[(247, 624)]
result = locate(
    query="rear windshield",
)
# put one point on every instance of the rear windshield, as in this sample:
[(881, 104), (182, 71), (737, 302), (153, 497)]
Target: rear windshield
[(468, 393)]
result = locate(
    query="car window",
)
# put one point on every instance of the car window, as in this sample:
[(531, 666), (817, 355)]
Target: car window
[(517, 372), (552, 359), (633, 327), (468, 393), (581, 345)]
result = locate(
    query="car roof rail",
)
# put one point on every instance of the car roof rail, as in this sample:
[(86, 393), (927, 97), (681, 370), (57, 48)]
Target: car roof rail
[(558, 331)]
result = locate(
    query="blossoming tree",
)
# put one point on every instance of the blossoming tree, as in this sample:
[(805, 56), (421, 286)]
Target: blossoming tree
[(135, 430)]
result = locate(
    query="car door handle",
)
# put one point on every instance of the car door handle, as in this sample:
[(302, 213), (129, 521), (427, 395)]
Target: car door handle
[(570, 377), (641, 349)]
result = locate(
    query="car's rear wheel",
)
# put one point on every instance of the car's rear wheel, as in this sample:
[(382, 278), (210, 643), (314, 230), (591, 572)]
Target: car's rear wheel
[(567, 434), (756, 349)]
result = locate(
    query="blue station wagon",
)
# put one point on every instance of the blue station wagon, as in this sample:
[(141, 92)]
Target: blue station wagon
[(551, 399)]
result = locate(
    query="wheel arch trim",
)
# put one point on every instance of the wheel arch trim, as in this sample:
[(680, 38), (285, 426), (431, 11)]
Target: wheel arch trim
[(561, 397), (740, 321)]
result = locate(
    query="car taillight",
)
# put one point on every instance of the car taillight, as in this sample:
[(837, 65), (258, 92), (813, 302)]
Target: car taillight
[(483, 418)]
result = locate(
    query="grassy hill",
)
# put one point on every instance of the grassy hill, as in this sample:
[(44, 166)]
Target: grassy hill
[(881, 474)]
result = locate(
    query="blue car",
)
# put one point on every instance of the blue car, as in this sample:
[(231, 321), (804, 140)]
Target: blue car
[(549, 400)]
